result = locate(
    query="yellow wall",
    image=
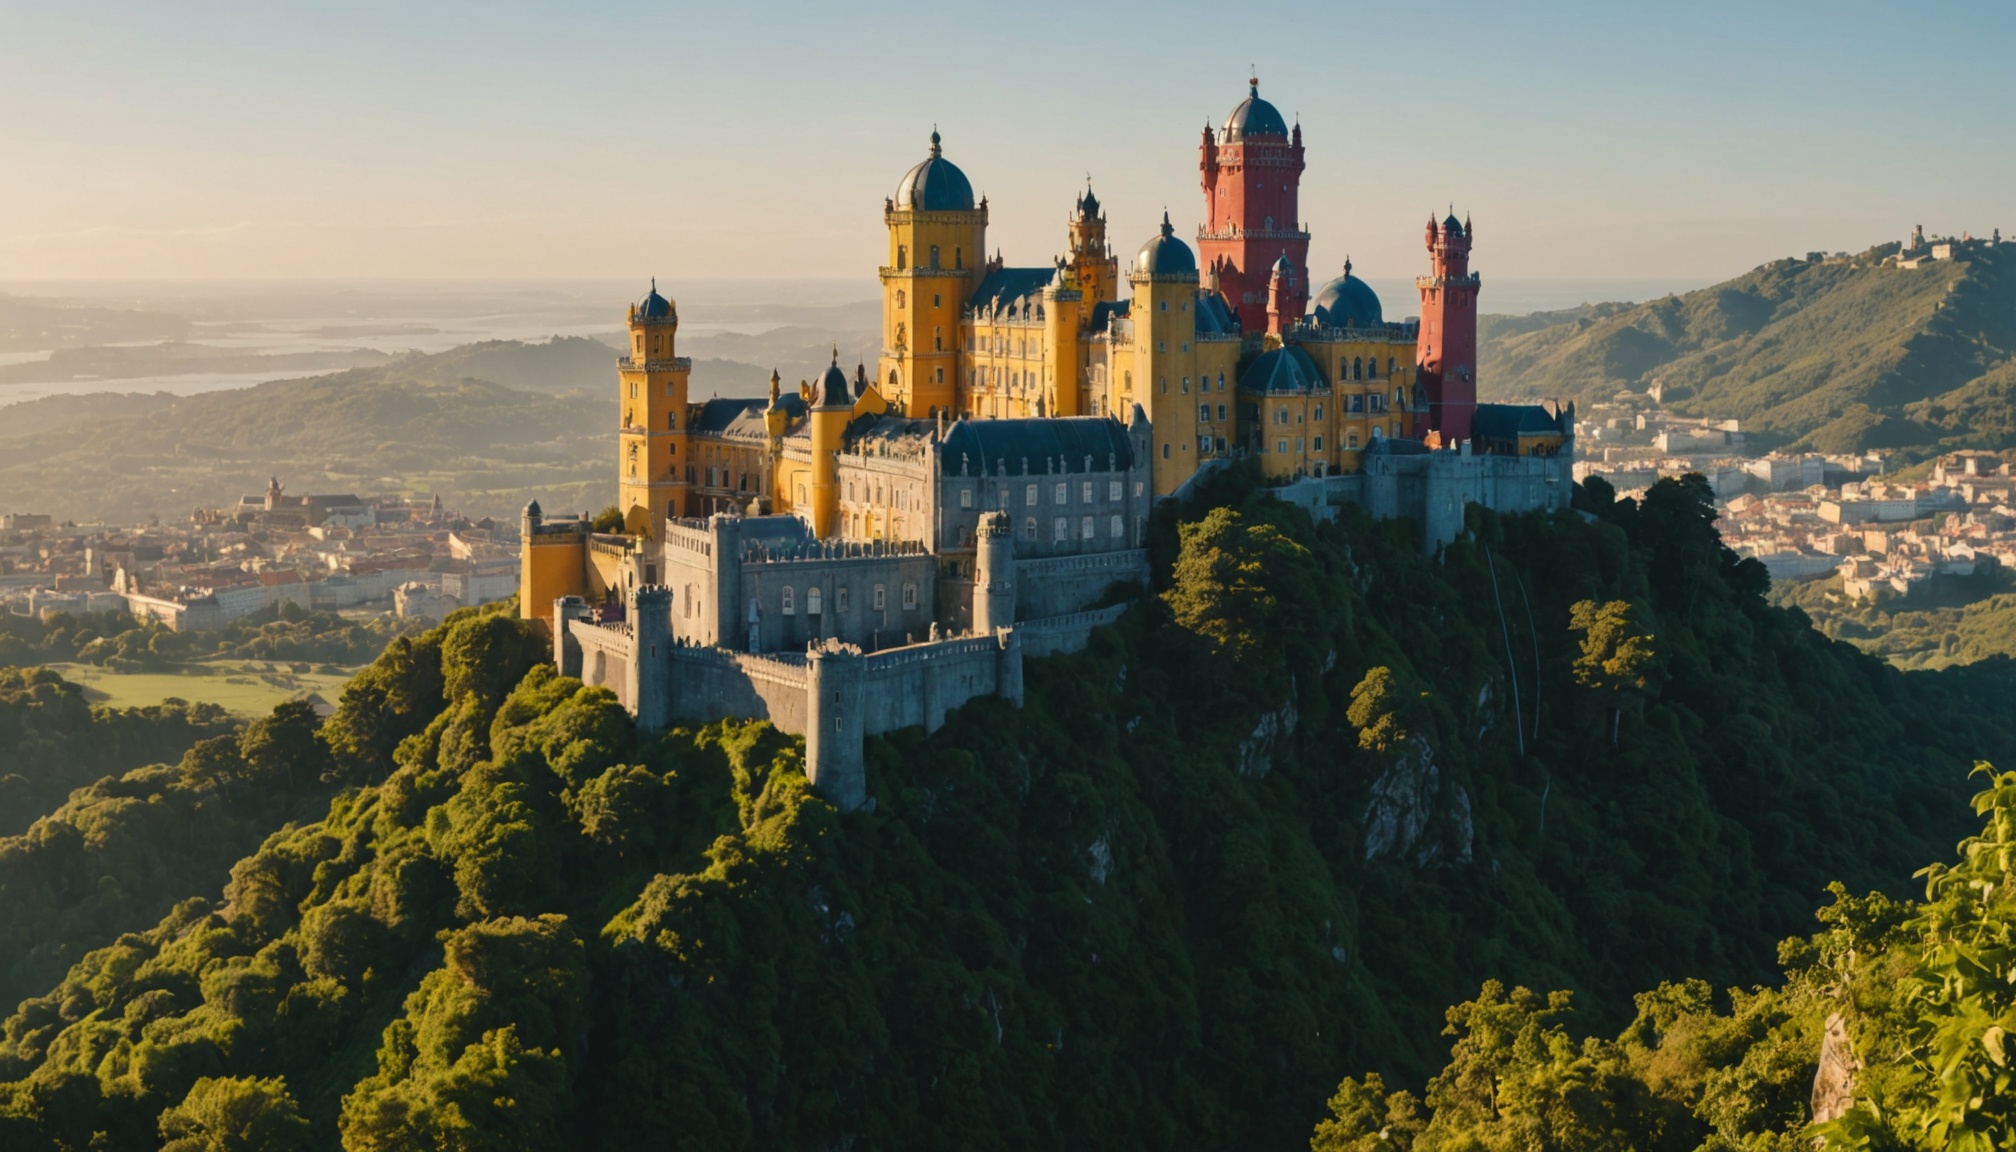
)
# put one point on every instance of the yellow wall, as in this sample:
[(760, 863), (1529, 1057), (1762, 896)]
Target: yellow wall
[(550, 567), (919, 368), (652, 446)]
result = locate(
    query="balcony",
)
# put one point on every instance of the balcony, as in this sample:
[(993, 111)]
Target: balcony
[(676, 363)]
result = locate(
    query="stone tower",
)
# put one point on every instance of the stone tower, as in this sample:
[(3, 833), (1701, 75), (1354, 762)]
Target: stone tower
[(1252, 176), (834, 725), (1446, 354), (994, 574), (652, 449), (1090, 262), (937, 242)]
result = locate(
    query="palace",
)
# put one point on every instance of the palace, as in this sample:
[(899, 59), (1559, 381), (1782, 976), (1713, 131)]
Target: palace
[(907, 534)]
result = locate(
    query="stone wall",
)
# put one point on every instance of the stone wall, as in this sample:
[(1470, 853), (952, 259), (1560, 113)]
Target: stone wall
[(1433, 488), (1054, 586), (710, 683)]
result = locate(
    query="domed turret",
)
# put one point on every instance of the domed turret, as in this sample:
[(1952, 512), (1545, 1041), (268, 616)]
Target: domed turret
[(654, 306), (936, 185), (1254, 117), (1348, 302), (1165, 255), (833, 391)]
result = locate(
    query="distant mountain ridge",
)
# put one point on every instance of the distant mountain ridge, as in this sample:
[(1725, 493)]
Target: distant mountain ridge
[(1835, 355)]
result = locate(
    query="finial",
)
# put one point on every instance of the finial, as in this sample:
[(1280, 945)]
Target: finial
[(836, 355), (935, 149), (1168, 229), (1347, 265), (1253, 81), (654, 283)]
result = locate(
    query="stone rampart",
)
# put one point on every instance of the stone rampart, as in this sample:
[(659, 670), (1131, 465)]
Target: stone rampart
[(709, 683), (1055, 585), (1067, 633)]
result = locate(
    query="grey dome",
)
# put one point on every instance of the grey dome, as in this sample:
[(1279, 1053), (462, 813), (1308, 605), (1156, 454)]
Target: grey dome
[(833, 390), (656, 307), (936, 185), (1254, 117), (1285, 369), (1348, 302), (1165, 255)]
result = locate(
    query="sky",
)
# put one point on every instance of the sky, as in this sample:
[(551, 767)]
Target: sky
[(515, 140)]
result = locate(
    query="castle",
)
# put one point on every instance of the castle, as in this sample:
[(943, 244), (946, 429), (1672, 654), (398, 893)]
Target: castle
[(870, 551)]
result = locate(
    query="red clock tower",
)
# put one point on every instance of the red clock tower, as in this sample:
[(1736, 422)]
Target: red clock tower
[(1252, 176), (1446, 352)]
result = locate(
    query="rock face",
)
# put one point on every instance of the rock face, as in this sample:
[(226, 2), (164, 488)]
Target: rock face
[(1256, 752), (1834, 1083), (1412, 814)]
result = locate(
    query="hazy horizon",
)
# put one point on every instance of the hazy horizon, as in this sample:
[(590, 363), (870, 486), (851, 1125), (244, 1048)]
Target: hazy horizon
[(457, 141)]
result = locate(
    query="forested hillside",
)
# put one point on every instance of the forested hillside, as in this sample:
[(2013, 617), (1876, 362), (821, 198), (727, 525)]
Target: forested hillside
[(1829, 356), (1310, 790)]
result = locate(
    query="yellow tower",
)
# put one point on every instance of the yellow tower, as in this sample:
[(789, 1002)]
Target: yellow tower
[(1164, 279), (652, 447), (937, 245), (1091, 263), (832, 408)]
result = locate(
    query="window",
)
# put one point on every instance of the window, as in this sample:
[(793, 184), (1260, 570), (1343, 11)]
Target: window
[(671, 421), (936, 300), (633, 390), (840, 598), (1029, 495), (1353, 444), (1221, 412), (1085, 528), (812, 601), (1281, 447), (1165, 451), (909, 597), (934, 256), (1119, 528), (938, 345), (1204, 444), (1060, 529), (1319, 443), (1357, 369), (965, 497), (1357, 404), (1319, 412), (1298, 445), (901, 297), (1085, 492), (1203, 412), (1063, 493), (1186, 381), (902, 257), (801, 493), (1280, 415), (1137, 489), (1029, 528), (881, 598), (1112, 490), (790, 602)]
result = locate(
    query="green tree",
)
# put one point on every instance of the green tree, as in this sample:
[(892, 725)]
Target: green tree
[(236, 1114), (608, 520), (1617, 659)]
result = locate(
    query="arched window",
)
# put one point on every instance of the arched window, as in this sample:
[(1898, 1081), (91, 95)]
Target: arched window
[(1390, 365), (1372, 368), (1319, 412), (937, 339), (902, 297), (902, 257), (1165, 451), (1204, 412), (934, 256), (1352, 443), (812, 601), (892, 379), (1029, 525), (671, 421), (1319, 443), (1357, 369)]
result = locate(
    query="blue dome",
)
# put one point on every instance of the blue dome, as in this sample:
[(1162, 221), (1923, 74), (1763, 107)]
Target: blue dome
[(1165, 255), (1285, 369), (1347, 302), (656, 307), (1254, 117), (833, 390), (936, 185)]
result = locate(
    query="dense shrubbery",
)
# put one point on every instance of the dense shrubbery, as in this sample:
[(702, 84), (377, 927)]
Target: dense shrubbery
[(1254, 838), (1911, 634), (55, 741), (116, 640)]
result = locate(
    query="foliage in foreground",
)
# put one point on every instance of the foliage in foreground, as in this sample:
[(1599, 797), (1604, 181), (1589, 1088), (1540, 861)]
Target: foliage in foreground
[(1219, 859), (1924, 990)]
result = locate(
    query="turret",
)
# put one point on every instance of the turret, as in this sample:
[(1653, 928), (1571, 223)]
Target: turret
[(1252, 175), (652, 393), (937, 237), (832, 408), (834, 728), (1446, 351), (993, 573)]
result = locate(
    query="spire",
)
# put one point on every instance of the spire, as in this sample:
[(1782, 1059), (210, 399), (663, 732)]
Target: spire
[(1347, 265), (1168, 229), (935, 149), (776, 385)]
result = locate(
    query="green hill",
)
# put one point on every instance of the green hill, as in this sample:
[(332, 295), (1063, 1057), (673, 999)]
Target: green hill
[(1251, 841), (419, 424), (1829, 356)]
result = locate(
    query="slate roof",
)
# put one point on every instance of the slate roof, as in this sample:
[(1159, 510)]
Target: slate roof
[(1214, 316), (972, 447), (936, 185), (1254, 117), (1004, 285), (1287, 369), (1106, 311), (1508, 421)]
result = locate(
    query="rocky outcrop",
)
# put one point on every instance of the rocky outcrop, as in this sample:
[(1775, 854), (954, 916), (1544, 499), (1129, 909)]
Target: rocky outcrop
[(1256, 752), (1415, 815), (1834, 1082)]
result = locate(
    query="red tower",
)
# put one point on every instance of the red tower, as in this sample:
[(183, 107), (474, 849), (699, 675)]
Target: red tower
[(1252, 189), (1446, 351)]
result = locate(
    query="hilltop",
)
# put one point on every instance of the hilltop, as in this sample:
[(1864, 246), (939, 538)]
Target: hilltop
[(1309, 791), (1836, 355)]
